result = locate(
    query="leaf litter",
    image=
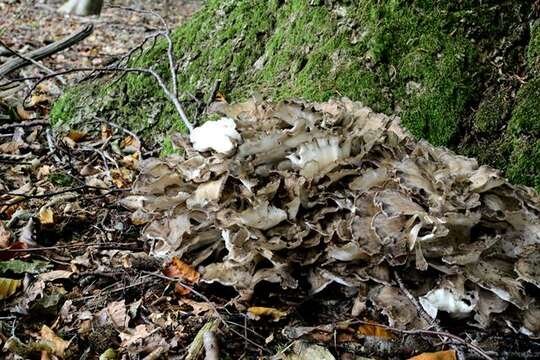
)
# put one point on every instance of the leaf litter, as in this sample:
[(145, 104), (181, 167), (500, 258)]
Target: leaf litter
[(308, 220), (285, 236)]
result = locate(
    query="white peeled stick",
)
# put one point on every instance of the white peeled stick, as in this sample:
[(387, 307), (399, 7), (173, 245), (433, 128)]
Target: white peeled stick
[(220, 136)]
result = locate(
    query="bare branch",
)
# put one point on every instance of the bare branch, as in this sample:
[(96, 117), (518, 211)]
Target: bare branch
[(28, 59), (46, 51)]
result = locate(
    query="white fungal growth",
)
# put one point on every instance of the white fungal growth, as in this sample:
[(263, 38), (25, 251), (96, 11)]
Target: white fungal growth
[(446, 300), (220, 136), (315, 157)]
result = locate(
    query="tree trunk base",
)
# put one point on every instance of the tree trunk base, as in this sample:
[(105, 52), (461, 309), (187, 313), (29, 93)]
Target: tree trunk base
[(82, 7)]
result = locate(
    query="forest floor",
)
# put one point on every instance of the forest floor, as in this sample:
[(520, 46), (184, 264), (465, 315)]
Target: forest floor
[(77, 280)]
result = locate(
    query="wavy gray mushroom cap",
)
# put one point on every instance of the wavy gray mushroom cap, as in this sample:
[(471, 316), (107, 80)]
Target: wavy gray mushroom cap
[(348, 196)]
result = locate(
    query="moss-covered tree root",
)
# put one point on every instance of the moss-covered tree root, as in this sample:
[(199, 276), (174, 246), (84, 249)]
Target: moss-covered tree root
[(463, 74)]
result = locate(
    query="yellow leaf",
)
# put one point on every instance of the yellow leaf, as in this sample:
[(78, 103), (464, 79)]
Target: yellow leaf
[(23, 114), (5, 236), (106, 132), (128, 141), (46, 216), (219, 97), (131, 161), (76, 135), (260, 311), (439, 355), (121, 178), (8, 287), (57, 344), (374, 330), (37, 99)]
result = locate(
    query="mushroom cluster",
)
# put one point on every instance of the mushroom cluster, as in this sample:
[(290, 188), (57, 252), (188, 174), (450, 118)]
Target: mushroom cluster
[(321, 193)]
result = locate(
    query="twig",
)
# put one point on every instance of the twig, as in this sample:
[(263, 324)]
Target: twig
[(211, 347), (24, 124), (70, 246), (40, 196), (415, 302), (216, 312), (213, 93), (25, 197), (170, 56), (151, 72), (111, 291), (432, 322), (30, 60)]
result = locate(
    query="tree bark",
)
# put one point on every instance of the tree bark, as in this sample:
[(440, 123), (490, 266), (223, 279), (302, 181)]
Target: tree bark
[(82, 7)]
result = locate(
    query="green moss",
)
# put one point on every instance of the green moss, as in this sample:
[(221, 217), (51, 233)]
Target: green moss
[(526, 115), (65, 108), (533, 49), (432, 62), (61, 179), (491, 113), (524, 166), (168, 148)]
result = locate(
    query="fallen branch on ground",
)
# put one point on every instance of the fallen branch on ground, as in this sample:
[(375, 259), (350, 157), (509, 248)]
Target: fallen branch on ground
[(45, 51)]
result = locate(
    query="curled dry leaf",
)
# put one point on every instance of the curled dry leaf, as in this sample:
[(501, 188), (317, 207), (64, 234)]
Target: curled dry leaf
[(76, 135), (349, 196), (183, 271), (46, 216), (8, 287), (256, 312), (374, 330), (57, 345), (439, 355), (5, 236)]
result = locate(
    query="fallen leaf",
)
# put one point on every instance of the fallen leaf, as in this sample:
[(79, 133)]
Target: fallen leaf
[(198, 307), (55, 275), (130, 145), (109, 354), (26, 236), (8, 287), (121, 178), (57, 344), (46, 216), (7, 255), (43, 172), (5, 236), (179, 269), (305, 351), (21, 267), (22, 113), (439, 355), (106, 132), (256, 312), (38, 99), (76, 136), (115, 313), (374, 330)]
